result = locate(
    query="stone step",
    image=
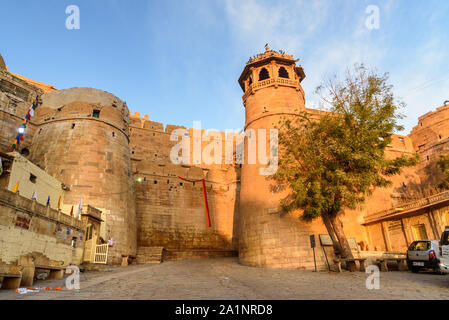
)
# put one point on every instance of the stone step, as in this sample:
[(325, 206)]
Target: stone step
[(149, 255), (182, 254)]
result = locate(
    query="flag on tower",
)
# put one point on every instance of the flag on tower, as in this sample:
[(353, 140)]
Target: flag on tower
[(59, 203), (34, 197), (71, 212), (48, 201)]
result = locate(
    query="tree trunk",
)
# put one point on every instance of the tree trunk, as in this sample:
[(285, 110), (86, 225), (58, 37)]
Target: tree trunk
[(330, 231), (346, 252)]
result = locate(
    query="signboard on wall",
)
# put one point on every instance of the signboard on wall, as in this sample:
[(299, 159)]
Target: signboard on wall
[(325, 240), (312, 241)]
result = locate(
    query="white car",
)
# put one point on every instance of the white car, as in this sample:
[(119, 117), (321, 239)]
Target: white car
[(423, 254), (444, 251)]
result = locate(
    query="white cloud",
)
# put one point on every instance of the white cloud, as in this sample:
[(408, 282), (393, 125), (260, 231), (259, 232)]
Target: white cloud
[(286, 24)]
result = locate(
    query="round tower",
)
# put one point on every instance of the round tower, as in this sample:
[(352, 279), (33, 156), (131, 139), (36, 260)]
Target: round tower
[(272, 90), (82, 139)]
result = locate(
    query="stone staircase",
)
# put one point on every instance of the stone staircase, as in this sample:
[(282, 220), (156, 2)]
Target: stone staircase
[(150, 255)]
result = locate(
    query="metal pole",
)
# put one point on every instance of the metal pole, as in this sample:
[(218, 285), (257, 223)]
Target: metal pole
[(325, 255)]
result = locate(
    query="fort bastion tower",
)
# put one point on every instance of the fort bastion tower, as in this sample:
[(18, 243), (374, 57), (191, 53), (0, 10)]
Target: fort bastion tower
[(272, 90), (82, 139)]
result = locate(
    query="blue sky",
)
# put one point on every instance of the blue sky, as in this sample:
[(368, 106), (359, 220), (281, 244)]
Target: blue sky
[(179, 61)]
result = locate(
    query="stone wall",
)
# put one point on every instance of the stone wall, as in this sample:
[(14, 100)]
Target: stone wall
[(170, 211), (33, 179), (16, 97), (27, 227)]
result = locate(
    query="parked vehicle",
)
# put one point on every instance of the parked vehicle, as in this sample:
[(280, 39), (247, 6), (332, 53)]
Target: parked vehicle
[(424, 254), (444, 250)]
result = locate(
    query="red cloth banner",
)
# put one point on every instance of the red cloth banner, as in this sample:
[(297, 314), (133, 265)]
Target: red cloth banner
[(206, 205)]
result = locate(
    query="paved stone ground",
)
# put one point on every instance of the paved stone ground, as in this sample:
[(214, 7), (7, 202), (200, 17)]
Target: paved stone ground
[(224, 278)]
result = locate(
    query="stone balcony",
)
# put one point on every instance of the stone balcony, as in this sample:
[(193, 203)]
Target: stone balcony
[(270, 82), (407, 208)]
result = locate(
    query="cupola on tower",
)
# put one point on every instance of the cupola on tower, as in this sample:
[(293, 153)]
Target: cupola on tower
[(271, 82)]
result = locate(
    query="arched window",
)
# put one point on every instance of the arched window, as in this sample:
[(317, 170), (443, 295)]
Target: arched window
[(263, 74), (283, 73)]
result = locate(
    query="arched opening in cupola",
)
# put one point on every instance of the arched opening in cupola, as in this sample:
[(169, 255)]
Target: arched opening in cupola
[(283, 73), (263, 74)]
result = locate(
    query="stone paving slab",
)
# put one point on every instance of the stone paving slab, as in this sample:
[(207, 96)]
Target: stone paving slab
[(224, 278)]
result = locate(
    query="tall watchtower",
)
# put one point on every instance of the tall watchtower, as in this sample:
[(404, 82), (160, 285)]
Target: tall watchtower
[(271, 82), (272, 85)]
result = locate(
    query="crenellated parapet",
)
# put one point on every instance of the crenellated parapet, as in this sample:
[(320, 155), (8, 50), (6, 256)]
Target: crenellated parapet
[(432, 128)]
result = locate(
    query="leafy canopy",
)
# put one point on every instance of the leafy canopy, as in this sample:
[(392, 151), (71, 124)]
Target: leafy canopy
[(443, 163), (334, 162)]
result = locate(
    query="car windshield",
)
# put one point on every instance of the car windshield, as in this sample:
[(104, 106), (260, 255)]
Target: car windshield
[(420, 246), (445, 238)]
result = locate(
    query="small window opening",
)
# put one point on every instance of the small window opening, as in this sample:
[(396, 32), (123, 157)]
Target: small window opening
[(25, 152), (181, 184), (155, 181), (113, 134), (263, 74), (96, 114), (168, 181), (428, 158), (283, 73), (250, 80), (33, 178), (73, 126)]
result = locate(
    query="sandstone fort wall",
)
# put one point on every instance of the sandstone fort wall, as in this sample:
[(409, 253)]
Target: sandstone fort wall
[(82, 140)]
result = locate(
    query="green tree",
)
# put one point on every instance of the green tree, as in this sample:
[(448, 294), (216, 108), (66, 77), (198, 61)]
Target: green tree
[(333, 163), (443, 163)]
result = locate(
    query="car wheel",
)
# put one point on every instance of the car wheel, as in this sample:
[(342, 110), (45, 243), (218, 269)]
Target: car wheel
[(415, 269)]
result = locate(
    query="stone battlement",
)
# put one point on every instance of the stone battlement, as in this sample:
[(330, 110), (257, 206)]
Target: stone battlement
[(145, 123), (431, 114)]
